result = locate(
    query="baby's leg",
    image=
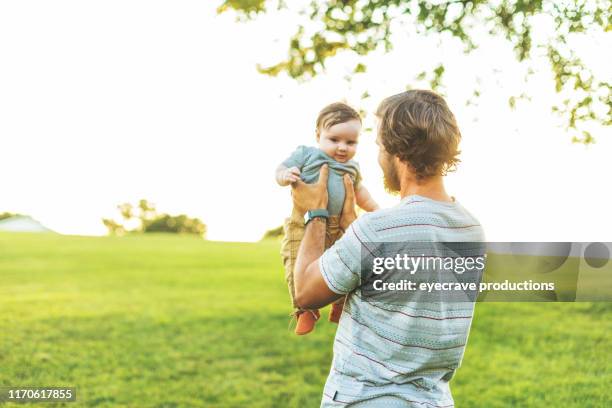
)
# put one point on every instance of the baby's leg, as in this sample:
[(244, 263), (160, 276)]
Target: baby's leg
[(294, 232)]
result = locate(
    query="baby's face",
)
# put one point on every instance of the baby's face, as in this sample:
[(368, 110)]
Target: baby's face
[(340, 141)]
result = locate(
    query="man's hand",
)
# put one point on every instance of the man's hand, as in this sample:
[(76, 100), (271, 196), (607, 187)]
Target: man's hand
[(348, 209), (311, 196)]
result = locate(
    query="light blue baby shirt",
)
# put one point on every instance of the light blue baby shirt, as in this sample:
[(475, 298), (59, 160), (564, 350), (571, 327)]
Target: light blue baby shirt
[(310, 159)]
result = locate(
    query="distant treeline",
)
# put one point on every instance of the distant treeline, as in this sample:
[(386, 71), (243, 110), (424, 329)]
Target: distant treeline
[(273, 233), (5, 215), (143, 217)]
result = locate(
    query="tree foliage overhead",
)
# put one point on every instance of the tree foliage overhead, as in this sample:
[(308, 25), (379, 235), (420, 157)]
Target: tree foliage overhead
[(144, 218), (362, 26)]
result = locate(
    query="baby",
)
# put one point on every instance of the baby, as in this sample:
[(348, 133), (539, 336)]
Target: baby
[(337, 132)]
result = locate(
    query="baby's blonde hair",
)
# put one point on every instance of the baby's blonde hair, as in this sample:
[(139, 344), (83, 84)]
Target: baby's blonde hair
[(335, 113)]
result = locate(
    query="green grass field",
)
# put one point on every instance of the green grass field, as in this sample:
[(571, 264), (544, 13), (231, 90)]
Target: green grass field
[(169, 321)]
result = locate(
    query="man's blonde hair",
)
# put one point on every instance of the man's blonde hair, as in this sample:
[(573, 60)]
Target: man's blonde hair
[(418, 127)]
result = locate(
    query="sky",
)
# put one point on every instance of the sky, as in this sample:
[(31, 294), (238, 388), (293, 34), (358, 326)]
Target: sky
[(108, 102)]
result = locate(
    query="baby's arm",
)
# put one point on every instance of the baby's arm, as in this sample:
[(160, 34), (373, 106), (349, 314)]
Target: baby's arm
[(288, 172), (364, 200), (286, 176)]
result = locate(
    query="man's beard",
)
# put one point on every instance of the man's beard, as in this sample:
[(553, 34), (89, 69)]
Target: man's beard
[(390, 176)]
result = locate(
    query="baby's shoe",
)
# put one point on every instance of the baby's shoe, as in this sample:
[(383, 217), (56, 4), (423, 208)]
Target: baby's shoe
[(336, 311), (306, 320)]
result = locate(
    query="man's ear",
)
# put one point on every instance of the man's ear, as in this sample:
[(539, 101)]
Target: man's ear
[(399, 165), (401, 168), (404, 169)]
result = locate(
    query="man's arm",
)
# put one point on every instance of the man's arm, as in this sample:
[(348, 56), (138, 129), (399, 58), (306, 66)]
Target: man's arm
[(311, 290)]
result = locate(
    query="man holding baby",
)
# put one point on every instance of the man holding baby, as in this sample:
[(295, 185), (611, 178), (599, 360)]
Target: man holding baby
[(401, 354)]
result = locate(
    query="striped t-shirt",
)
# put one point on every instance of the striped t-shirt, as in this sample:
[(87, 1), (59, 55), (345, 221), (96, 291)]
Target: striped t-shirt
[(409, 351)]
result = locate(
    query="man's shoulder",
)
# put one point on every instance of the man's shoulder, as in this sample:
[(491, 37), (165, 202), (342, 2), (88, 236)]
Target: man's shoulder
[(370, 223), (365, 224), (415, 220)]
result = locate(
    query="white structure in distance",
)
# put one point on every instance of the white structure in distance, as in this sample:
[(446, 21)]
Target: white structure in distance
[(22, 223)]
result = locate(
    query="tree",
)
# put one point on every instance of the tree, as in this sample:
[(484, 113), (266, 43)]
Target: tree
[(5, 215), (273, 233), (362, 26), (179, 224), (144, 218), (113, 227), (147, 212)]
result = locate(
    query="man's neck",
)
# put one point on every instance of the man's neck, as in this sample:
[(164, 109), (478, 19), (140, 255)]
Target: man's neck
[(432, 188)]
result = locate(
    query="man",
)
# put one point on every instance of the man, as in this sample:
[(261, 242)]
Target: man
[(391, 355)]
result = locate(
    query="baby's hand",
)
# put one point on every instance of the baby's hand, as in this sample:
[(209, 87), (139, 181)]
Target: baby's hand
[(291, 175)]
